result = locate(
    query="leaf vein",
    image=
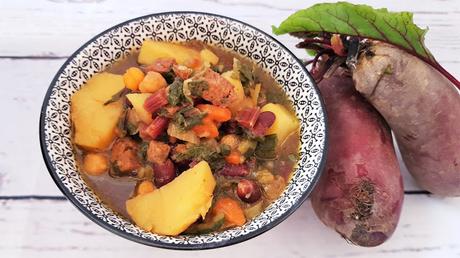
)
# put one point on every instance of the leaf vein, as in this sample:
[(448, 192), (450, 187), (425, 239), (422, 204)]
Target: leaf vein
[(402, 35)]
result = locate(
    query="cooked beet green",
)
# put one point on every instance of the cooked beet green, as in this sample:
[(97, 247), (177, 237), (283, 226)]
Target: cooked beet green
[(191, 125)]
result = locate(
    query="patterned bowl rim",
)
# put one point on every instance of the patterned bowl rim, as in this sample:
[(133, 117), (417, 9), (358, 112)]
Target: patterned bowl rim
[(174, 246)]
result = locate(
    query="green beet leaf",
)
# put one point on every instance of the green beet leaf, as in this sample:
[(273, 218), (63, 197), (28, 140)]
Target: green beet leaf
[(363, 21)]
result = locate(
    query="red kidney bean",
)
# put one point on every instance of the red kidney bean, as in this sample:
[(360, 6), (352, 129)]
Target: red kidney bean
[(248, 191), (265, 120), (164, 173), (234, 170)]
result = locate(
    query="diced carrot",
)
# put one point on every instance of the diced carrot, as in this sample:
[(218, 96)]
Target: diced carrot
[(145, 187), (207, 129), (234, 215), (133, 77), (219, 114), (234, 157)]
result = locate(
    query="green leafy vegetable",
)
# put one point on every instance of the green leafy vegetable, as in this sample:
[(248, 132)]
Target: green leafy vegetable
[(245, 74), (266, 149), (214, 156), (117, 96), (131, 129), (188, 117), (169, 76), (363, 21), (122, 124), (218, 68), (142, 152), (212, 225), (197, 87), (176, 93)]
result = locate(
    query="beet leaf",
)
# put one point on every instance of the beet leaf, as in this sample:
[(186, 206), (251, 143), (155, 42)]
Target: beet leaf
[(363, 21)]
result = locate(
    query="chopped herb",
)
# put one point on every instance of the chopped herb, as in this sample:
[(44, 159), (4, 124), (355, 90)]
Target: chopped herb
[(176, 93), (266, 149), (117, 96), (197, 87)]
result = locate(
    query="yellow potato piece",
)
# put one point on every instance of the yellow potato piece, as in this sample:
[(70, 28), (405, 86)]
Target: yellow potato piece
[(285, 123), (208, 57), (152, 50), (94, 123), (172, 208), (137, 100)]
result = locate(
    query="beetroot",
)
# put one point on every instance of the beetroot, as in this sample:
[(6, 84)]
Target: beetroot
[(423, 109), (361, 192)]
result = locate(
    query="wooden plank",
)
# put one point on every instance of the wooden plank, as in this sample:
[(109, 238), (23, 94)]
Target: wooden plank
[(52, 28), (22, 170), (20, 151), (428, 228)]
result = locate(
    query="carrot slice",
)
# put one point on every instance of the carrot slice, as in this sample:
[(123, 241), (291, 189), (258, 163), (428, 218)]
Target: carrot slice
[(234, 214), (207, 129), (234, 157), (219, 114)]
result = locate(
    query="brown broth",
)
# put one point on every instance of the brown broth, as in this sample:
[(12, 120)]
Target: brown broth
[(114, 191)]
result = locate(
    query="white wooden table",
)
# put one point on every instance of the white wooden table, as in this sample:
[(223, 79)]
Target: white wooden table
[(37, 221)]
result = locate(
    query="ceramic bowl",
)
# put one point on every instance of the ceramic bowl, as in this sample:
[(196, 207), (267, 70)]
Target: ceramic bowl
[(117, 42)]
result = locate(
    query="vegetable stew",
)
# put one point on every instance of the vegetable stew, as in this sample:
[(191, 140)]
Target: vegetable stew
[(185, 138)]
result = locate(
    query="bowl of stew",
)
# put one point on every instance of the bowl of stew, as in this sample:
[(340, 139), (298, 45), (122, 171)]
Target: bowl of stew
[(184, 130)]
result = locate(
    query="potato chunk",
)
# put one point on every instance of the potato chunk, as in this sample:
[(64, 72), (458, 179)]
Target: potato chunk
[(138, 100), (208, 57), (172, 208), (94, 123), (285, 122), (152, 50)]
